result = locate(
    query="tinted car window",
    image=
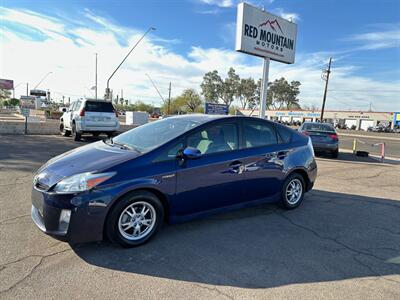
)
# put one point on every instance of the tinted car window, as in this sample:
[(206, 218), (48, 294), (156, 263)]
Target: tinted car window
[(285, 134), (317, 127), (216, 138), (257, 134), (97, 106)]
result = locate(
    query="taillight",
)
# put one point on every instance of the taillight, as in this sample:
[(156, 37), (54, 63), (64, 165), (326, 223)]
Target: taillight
[(306, 133), (82, 112), (334, 137)]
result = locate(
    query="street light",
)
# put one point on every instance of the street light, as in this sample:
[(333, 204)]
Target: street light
[(44, 77), (108, 81)]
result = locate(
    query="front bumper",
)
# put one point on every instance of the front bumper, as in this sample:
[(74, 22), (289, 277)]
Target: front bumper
[(85, 222)]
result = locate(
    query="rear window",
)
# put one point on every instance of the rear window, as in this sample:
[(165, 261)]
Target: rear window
[(99, 106), (318, 127)]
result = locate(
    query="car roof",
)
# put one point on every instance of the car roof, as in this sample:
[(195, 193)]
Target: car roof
[(204, 118)]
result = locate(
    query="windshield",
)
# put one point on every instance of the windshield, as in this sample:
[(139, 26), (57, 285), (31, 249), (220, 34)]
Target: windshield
[(318, 127), (151, 135)]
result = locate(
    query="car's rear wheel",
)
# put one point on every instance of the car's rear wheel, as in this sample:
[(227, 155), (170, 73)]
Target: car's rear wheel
[(63, 131), (77, 135), (293, 191), (135, 219), (335, 153)]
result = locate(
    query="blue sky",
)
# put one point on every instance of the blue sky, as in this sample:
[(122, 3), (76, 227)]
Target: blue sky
[(195, 36)]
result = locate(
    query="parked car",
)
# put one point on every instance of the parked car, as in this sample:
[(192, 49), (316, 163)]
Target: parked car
[(323, 135), (89, 116), (173, 170)]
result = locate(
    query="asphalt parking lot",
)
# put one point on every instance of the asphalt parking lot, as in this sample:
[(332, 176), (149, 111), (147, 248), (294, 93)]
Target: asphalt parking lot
[(342, 242)]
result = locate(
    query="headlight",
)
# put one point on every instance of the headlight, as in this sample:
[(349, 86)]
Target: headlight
[(81, 182)]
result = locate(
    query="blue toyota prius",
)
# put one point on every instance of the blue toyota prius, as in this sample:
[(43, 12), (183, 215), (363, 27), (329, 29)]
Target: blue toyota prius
[(170, 170)]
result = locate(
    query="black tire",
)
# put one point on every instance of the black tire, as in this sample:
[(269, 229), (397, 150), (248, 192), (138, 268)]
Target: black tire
[(335, 153), (285, 202), (77, 135), (63, 131), (112, 223)]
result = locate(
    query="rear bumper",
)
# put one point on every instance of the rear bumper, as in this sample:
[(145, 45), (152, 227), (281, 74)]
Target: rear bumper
[(319, 147), (82, 127)]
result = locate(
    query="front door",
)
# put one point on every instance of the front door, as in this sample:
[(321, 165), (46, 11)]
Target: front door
[(215, 179)]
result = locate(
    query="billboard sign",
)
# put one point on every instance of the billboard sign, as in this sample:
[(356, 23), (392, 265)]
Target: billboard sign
[(38, 93), (6, 84), (263, 34), (216, 109)]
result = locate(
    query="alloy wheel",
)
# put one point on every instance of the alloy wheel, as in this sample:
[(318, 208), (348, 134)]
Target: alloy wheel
[(294, 191), (137, 220)]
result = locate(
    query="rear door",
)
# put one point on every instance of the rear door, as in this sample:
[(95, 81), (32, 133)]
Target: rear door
[(99, 114), (264, 159)]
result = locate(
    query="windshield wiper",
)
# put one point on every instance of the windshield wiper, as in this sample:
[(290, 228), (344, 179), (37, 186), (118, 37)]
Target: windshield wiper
[(120, 145)]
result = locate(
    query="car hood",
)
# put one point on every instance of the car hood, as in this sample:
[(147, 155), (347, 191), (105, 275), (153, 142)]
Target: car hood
[(94, 157)]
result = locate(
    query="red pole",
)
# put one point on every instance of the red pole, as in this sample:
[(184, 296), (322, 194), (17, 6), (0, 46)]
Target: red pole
[(383, 152)]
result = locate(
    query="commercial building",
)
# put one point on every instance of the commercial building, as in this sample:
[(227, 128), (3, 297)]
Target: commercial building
[(361, 119)]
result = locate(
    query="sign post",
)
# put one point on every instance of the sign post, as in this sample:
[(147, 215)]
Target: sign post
[(25, 112), (264, 88), (265, 35)]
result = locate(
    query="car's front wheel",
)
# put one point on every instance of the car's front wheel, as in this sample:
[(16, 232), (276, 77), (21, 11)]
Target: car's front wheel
[(63, 131), (293, 191), (135, 219)]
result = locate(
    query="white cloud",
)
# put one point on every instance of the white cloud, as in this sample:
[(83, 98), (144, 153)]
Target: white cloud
[(220, 3), (377, 39), (291, 16), (68, 51)]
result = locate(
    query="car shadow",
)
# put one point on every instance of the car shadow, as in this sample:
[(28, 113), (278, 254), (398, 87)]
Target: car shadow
[(332, 236)]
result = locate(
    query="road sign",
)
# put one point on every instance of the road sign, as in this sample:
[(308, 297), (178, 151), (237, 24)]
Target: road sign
[(25, 111), (263, 34), (216, 109)]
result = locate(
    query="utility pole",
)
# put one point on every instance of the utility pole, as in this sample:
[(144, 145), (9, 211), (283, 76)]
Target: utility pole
[(325, 76), (169, 97), (95, 93)]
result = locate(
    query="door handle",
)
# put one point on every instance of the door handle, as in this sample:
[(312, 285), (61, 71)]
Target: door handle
[(237, 167)]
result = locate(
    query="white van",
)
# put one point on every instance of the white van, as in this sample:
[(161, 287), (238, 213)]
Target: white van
[(89, 116)]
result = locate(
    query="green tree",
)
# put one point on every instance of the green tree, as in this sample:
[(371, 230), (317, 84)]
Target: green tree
[(230, 87), (4, 94), (247, 93), (212, 87), (282, 95), (191, 99), (14, 102)]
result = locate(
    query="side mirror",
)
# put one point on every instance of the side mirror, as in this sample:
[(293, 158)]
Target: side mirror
[(64, 109), (189, 153)]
